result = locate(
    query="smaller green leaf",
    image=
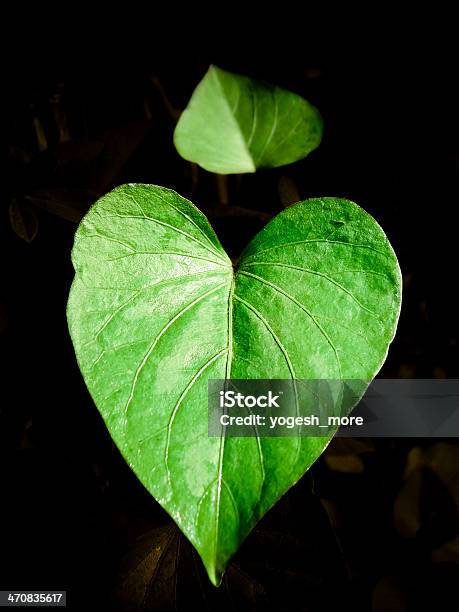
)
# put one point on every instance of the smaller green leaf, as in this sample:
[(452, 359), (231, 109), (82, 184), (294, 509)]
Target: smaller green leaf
[(235, 124)]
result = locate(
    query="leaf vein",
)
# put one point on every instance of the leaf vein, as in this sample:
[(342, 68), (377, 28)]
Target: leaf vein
[(179, 403), (172, 279), (300, 305), (156, 340), (165, 224), (284, 351), (273, 128), (316, 273), (192, 221)]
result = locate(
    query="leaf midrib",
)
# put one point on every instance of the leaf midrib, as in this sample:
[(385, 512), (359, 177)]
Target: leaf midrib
[(229, 360), (234, 118)]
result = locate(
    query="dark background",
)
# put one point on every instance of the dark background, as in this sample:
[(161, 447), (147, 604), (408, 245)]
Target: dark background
[(374, 524)]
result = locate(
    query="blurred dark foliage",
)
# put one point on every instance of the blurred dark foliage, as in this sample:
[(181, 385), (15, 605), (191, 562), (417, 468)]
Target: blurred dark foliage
[(374, 524)]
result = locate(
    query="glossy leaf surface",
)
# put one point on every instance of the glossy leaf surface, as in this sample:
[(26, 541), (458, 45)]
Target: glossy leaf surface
[(156, 310)]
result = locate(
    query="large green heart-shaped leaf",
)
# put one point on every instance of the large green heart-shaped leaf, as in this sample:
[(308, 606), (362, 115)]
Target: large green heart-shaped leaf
[(156, 310), (235, 124)]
